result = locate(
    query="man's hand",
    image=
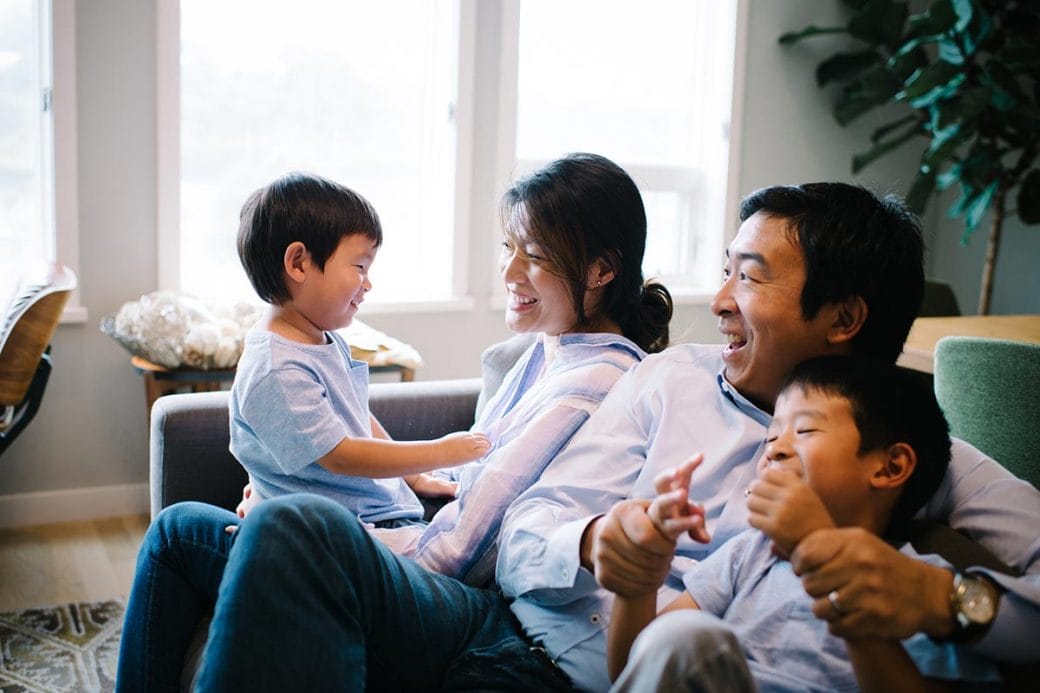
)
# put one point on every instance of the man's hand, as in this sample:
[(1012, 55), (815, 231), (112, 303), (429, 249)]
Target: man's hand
[(785, 508), (627, 550), (429, 486), (878, 591)]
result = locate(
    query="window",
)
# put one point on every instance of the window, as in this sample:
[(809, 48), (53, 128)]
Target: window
[(25, 162), (650, 92), (400, 100), (37, 179)]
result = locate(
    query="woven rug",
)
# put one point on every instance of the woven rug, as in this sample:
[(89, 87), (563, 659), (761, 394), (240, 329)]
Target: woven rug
[(72, 647)]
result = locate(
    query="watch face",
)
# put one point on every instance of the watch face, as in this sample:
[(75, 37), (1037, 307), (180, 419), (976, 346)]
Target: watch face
[(976, 603)]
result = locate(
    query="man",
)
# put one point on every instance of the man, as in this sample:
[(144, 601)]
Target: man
[(815, 269)]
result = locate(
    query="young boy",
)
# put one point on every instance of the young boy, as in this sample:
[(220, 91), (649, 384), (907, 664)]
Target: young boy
[(299, 404), (852, 444)]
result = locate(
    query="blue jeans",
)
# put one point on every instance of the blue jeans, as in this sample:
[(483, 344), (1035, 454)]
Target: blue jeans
[(179, 568), (310, 601)]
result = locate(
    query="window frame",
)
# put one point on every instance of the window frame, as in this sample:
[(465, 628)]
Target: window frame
[(487, 73), (56, 56)]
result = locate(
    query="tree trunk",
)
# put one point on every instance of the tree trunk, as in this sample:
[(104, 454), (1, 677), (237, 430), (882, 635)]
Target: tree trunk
[(992, 247)]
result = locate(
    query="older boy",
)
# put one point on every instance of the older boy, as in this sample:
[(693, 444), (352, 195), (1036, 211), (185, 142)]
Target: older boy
[(852, 443)]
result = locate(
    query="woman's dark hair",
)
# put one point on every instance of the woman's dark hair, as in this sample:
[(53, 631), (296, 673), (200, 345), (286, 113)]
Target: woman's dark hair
[(298, 207), (890, 405), (855, 244), (583, 207)]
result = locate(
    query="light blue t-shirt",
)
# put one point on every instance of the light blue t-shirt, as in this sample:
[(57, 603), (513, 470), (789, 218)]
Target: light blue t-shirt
[(762, 601), (290, 405)]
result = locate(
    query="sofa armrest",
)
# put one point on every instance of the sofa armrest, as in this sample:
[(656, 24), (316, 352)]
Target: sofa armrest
[(189, 457)]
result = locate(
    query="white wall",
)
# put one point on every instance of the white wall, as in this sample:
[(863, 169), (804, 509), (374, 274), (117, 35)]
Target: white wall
[(86, 453)]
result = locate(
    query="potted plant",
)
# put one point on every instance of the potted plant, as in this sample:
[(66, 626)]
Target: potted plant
[(966, 76)]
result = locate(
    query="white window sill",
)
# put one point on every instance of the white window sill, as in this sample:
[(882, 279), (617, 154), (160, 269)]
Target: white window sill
[(74, 314)]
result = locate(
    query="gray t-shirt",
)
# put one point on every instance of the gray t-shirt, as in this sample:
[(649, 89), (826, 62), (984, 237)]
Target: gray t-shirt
[(290, 405)]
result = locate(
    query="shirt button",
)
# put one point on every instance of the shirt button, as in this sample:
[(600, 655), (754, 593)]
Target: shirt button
[(594, 619), (566, 574)]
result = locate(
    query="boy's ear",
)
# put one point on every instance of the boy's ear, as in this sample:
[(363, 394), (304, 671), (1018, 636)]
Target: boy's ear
[(294, 261), (600, 274), (895, 468), (848, 320)]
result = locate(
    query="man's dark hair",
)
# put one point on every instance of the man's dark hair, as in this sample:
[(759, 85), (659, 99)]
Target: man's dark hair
[(298, 207), (855, 244), (890, 405)]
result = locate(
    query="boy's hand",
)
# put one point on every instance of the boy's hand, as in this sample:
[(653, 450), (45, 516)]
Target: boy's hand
[(628, 551), (785, 508), (672, 512), (463, 446), (429, 486)]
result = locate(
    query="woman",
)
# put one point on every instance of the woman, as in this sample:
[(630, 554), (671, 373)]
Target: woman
[(575, 234)]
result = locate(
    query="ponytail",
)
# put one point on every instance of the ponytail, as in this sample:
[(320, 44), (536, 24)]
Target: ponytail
[(647, 322)]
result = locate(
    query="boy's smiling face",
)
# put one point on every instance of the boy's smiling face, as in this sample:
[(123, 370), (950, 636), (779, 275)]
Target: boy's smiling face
[(814, 435), (330, 297)]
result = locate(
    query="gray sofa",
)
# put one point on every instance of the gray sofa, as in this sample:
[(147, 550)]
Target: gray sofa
[(189, 458)]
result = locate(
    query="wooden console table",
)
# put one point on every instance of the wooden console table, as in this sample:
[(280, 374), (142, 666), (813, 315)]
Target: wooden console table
[(919, 350), (159, 380)]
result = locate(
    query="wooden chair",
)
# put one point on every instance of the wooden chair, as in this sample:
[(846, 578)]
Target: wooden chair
[(27, 327)]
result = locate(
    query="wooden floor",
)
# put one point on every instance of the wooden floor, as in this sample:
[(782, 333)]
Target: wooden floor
[(68, 562)]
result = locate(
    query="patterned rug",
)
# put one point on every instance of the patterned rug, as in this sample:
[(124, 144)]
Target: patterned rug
[(72, 647)]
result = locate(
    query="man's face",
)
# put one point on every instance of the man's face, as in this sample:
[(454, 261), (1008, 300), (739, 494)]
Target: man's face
[(759, 310)]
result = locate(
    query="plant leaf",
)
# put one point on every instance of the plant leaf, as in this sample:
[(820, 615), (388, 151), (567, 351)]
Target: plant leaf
[(926, 79), (938, 19), (949, 177), (875, 87), (1028, 200), (964, 10), (842, 67), (945, 143), (979, 206), (940, 92), (880, 21), (903, 63), (878, 150), (811, 30), (921, 189), (894, 125), (950, 52), (968, 105)]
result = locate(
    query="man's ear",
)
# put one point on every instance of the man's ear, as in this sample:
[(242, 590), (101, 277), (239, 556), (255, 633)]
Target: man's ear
[(849, 317), (600, 274), (894, 467), (295, 260)]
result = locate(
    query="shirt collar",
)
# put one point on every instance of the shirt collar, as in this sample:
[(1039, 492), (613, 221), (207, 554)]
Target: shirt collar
[(741, 402)]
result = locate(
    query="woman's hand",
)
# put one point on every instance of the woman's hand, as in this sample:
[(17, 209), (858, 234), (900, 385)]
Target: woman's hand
[(249, 500), (429, 486)]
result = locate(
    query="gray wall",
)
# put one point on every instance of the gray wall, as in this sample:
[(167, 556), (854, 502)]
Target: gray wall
[(91, 431)]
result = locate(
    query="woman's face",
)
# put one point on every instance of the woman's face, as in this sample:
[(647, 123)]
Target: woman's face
[(537, 299)]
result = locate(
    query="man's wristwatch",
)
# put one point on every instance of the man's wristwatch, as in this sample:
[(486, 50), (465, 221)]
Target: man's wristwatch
[(974, 601)]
